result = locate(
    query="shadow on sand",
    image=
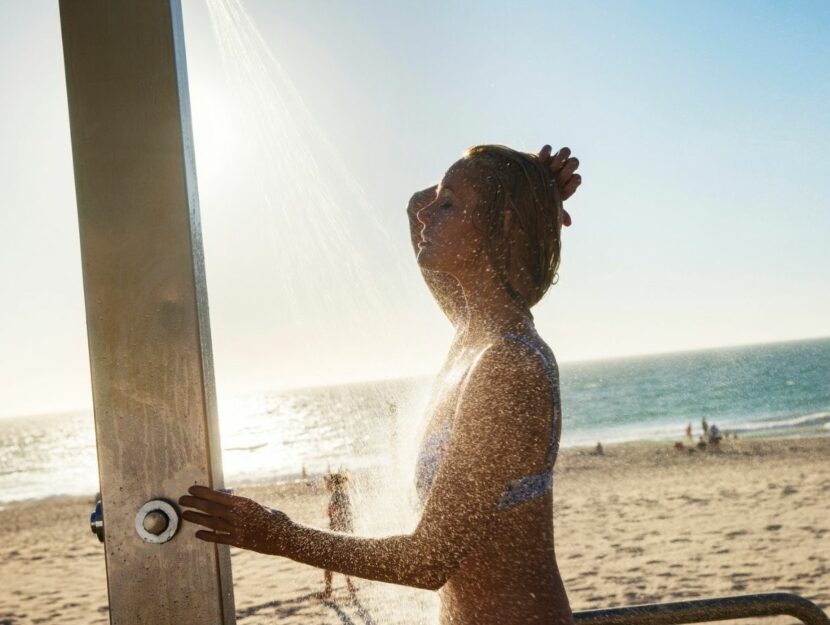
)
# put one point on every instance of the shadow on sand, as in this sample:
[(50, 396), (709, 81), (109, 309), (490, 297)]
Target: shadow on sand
[(350, 612), (358, 608)]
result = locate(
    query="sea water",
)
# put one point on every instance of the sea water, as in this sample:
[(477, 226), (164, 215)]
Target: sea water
[(778, 389)]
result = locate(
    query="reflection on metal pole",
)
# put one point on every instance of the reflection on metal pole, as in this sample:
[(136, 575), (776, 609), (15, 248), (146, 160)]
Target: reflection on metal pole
[(146, 307)]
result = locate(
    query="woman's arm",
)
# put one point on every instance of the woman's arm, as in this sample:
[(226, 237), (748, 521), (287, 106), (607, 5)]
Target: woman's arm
[(244, 523), (495, 426)]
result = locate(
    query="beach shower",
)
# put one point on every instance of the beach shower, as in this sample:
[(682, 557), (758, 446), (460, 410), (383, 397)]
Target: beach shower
[(146, 305)]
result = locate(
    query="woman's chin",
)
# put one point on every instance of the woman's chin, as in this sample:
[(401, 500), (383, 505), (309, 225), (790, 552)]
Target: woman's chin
[(426, 258)]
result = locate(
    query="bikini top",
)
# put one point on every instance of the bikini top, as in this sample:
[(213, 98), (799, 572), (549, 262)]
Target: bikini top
[(517, 491)]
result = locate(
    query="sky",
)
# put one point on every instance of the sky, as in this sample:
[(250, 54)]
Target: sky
[(702, 129)]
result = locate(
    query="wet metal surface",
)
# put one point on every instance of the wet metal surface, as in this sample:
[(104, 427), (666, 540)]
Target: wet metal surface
[(708, 610), (146, 302)]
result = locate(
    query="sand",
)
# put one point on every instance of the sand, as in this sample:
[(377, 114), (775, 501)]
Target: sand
[(642, 523)]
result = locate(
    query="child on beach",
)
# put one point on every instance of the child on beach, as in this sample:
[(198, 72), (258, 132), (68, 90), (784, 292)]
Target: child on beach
[(340, 520)]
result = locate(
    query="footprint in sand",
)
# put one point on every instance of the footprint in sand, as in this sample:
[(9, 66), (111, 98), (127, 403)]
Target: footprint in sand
[(774, 527), (681, 594), (769, 578), (736, 533)]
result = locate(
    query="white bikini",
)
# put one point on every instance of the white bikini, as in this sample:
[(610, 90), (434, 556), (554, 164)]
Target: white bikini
[(518, 491)]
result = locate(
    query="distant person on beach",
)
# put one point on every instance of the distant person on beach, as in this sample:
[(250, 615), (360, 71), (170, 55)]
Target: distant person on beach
[(487, 240), (598, 450), (705, 427), (340, 520), (689, 431), (714, 436)]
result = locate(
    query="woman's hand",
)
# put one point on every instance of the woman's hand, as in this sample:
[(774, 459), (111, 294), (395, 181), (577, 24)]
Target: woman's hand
[(236, 521), (562, 169), (418, 200)]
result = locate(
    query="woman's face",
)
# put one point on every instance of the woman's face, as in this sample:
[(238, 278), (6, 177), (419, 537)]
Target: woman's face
[(451, 241)]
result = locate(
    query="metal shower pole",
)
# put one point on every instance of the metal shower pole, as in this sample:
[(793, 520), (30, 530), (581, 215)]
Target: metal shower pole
[(146, 306)]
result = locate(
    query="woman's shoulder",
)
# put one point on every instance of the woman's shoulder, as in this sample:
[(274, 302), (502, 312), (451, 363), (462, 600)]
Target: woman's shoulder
[(510, 390), (515, 363), (523, 352)]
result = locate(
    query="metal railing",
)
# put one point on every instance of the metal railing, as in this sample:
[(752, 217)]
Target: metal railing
[(708, 610)]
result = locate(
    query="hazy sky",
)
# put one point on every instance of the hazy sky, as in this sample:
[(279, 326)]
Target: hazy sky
[(703, 129)]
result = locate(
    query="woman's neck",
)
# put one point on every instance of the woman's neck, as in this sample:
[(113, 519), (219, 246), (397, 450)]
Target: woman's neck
[(490, 307)]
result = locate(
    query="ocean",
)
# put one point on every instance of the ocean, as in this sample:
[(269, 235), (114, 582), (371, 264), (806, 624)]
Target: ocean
[(780, 389)]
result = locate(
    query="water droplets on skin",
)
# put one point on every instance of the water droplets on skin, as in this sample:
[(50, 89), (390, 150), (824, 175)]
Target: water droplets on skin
[(323, 270)]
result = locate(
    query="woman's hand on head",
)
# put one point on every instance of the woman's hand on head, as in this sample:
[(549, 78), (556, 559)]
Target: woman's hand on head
[(418, 200), (236, 521), (563, 168)]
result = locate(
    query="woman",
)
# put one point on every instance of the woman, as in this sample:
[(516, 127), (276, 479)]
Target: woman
[(487, 240)]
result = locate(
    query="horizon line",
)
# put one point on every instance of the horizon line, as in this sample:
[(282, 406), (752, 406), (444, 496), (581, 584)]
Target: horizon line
[(288, 389)]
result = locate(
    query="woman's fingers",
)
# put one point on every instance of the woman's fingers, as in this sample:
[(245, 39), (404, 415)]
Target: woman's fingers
[(570, 187), (210, 494), (211, 507), (559, 159), (567, 171), (544, 153), (213, 522), (213, 537), (420, 199)]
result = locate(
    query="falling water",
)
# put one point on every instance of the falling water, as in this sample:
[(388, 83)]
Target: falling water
[(322, 265)]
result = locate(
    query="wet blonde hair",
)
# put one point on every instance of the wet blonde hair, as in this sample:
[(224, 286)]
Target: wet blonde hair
[(519, 183)]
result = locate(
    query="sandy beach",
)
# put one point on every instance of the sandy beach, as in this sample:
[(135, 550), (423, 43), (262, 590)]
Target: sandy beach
[(643, 523)]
